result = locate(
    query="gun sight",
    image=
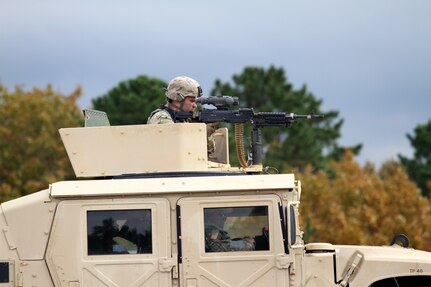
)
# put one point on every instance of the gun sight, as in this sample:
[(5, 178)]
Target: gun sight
[(219, 101)]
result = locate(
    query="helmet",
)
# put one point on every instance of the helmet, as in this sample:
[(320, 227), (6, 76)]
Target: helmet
[(181, 87)]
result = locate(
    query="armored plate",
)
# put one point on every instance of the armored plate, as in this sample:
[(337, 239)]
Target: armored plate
[(118, 150)]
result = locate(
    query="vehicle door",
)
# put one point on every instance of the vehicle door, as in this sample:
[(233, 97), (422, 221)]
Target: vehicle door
[(111, 242), (232, 241)]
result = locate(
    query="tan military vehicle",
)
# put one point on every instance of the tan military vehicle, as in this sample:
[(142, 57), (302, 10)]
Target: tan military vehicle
[(150, 209)]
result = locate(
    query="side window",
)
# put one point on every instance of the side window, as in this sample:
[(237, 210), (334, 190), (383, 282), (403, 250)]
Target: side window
[(119, 231), (236, 228)]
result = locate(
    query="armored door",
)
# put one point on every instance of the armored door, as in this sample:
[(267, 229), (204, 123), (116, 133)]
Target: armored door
[(115, 242), (232, 241)]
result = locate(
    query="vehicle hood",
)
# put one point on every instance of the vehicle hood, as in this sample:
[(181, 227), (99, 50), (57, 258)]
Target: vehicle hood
[(372, 263)]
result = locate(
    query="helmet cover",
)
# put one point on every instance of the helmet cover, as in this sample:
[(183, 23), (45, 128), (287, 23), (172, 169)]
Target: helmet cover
[(181, 87)]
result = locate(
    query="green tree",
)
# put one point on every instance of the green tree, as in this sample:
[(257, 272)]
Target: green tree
[(419, 167), (131, 101), (306, 141), (31, 152)]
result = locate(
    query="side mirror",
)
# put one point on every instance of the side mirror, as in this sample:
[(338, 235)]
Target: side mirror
[(292, 217)]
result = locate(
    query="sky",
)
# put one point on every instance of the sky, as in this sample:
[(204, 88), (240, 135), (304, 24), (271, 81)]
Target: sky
[(369, 59)]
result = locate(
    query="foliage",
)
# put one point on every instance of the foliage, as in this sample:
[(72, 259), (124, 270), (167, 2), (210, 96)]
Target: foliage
[(419, 167), (132, 101), (31, 152), (306, 141), (362, 206)]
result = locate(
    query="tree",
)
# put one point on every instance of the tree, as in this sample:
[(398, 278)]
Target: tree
[(305, 142), (131, 101), (419, 167), (361, 206), (31, 152)]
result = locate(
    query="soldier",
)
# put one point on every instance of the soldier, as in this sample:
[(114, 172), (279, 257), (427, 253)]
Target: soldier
[(181, 96), (217, 239)]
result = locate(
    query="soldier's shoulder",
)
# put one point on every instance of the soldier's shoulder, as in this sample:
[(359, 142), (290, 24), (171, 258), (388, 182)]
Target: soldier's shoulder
[(160, 117)]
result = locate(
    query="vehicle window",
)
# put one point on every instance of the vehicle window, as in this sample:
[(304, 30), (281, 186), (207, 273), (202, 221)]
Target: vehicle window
[(236, 229), (4, 272), (119, 231), (404, 281)]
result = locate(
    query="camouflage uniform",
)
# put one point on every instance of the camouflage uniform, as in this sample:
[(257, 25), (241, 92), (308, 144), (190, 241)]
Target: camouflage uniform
[(224, 243), (221, 244), (160, 116)]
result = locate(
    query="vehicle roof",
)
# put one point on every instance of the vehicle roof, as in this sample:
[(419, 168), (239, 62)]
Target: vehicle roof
[(192, 184)]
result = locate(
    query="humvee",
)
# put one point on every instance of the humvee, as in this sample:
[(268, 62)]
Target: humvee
[(149, 209)]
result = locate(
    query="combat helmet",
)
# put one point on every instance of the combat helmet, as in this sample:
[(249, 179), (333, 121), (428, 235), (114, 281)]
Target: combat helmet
[(181, 87)]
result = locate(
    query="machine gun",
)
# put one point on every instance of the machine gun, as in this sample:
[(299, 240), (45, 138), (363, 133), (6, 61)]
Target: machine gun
[(239, 116)]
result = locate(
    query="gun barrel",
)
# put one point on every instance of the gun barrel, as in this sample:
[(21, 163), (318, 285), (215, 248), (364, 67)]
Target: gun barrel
[(310, 116)]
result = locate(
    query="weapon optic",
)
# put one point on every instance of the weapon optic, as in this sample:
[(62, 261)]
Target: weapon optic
[(222, 113), (220, 102)]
